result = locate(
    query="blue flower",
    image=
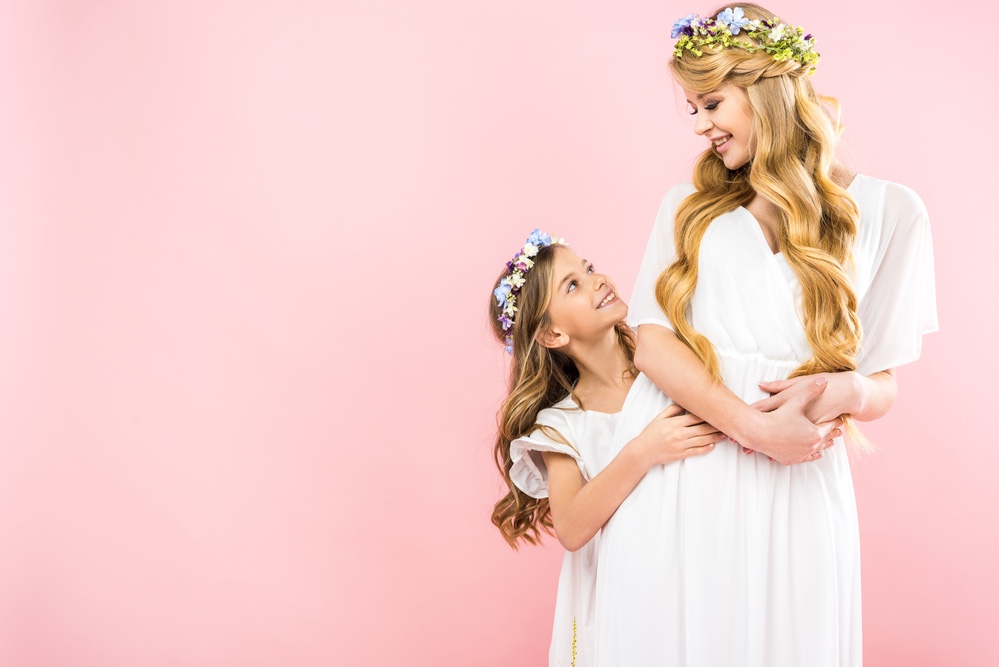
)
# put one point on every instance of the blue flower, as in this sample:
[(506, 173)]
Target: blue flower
[(509, 345), (501, 293), (539, 238), (735, 19), (681, 24)]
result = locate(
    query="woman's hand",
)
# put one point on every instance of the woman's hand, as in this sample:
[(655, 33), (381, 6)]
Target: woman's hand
[(675, 434), (847, 393), (842, 395), (832, 429), (787, 435)]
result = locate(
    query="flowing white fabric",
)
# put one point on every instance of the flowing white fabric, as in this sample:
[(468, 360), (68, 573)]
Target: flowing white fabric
[(729, 559), (589, 438)]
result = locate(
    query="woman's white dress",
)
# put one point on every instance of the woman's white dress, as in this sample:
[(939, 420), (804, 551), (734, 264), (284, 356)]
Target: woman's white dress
[(728, 559)]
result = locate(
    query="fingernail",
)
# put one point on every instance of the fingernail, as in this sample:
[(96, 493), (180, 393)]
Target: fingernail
[(820, 381)]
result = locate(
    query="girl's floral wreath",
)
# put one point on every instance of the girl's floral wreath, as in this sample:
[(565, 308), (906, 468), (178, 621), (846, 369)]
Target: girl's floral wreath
[(509, 287), (778, 39)]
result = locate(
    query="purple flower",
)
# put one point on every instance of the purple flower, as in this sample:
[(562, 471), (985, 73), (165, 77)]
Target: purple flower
[(735, 19), (506, 322), (683, 25)]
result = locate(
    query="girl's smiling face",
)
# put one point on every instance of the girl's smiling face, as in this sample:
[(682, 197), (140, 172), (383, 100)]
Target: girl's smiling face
[(584, 304), (724, 117)]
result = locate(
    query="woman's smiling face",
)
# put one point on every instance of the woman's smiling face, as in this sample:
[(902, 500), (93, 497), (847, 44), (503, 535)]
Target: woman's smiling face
[(724, 117)]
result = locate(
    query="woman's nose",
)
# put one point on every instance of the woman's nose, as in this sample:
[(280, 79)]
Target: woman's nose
[(702, 124)]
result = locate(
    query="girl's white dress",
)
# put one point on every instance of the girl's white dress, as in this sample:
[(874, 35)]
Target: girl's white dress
[(728, 559), (592, 437)]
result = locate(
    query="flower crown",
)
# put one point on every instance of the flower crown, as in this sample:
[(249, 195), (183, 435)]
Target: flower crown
[(509, 286), (778, 39)]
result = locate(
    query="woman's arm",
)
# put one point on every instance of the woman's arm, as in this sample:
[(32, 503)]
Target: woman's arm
[(785, 434), (863, 397), (581, 508)]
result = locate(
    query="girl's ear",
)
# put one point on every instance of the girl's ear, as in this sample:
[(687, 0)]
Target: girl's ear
[(552, 339)]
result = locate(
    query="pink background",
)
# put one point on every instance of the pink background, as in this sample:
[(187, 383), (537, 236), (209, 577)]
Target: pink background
[(247, 390)]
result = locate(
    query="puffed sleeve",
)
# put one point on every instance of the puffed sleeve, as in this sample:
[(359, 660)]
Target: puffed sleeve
[(659, 253), (900, 303), (528, 471)]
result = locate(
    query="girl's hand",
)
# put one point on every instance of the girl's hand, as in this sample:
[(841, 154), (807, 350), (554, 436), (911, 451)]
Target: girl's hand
[(675, 434), (842, 394)]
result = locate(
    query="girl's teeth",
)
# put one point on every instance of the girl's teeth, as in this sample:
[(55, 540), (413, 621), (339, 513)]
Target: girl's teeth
[(719, 142), (610, 297)]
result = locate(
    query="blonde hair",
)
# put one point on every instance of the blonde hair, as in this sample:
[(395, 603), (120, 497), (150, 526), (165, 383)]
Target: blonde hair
[(540, 377), (791, 168), (817, 219)]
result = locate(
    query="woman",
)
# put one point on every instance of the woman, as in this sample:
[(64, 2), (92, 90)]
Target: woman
[(776, 264)]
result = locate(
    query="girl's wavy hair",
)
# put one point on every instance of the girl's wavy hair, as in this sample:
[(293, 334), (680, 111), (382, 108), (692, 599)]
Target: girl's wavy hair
[(540, 377), (796, 133)]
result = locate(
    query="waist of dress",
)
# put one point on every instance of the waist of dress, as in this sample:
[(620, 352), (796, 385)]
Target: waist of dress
[(748, 358)]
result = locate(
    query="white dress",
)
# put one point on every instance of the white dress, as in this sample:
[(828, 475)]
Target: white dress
[(728, 559), (592, 437)]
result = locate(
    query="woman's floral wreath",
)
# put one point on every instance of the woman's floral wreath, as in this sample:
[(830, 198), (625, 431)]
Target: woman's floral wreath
[(778, 39), (509, 287)]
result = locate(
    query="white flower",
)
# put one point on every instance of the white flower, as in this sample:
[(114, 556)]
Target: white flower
[(511, 307), (777, 33), (530, 249), (516, 280)]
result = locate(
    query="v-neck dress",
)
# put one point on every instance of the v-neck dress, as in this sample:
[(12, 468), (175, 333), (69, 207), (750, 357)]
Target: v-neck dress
[(729, 559)]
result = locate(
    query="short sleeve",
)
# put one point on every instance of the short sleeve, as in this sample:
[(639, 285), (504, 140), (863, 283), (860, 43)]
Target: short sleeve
[(899, 306), (528, 471), (659, 253)]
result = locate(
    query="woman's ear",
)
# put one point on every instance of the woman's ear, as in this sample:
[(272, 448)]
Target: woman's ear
[(552, 339)]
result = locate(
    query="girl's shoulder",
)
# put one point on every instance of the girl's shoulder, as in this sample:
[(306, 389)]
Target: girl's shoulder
[(561, 413)]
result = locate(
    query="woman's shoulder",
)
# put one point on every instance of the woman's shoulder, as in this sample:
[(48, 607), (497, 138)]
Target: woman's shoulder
[(892, 197), (672, 200), (893, 221), (678, 193)]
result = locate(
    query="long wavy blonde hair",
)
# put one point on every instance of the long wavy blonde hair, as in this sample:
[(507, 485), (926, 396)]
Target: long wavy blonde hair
[(540, 377), (817, 218)]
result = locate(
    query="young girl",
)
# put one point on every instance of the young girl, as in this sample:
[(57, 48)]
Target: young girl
[(560, 448), (776, 263)]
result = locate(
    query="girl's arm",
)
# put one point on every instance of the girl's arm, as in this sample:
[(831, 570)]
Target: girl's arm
[(785, 434), (580, 508)]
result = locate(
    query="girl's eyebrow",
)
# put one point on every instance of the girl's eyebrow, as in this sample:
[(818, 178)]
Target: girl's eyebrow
[(584, 262)]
